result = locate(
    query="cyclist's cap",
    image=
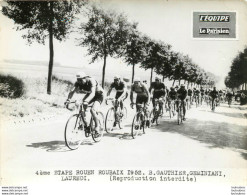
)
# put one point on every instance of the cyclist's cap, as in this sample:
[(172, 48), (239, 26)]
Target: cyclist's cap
[(137, 79), (116, 77), (80, 75), (157, 78), (171, 88)]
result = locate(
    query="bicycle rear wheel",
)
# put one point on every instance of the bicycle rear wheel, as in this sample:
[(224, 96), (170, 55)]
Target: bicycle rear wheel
[(109, 121), (136, 125), (74, 131)]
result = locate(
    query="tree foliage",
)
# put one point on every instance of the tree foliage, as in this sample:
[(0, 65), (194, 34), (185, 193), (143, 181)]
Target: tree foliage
[(103, 34), (43, 19)]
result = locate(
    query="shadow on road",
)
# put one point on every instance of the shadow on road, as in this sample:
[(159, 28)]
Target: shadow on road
[(215, 134), (56, 146), (122, 136)]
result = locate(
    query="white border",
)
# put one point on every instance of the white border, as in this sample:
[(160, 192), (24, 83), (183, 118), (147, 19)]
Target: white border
[(215, 39)]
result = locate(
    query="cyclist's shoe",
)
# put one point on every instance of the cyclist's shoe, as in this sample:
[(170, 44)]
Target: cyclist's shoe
[(184, 119), (80, 127), (96, 132), (114, 124), (87, 129), (137, 127)]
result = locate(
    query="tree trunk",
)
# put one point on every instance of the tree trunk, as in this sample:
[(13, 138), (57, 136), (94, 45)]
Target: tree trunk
[(188, 84), (184, 81), (133, 72), (163, 78), (103, 72), (173, 82), (51, 50), (179, 82), (151, 77)]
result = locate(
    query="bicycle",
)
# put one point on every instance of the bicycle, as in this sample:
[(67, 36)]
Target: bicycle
[(157, 110), (139, 121), (76, 127), (115, 115), (213, 104), (180, 113), (171, 107), (229, 101)]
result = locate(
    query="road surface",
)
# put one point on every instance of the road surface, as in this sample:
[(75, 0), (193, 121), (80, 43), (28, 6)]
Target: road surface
[(206, 140)]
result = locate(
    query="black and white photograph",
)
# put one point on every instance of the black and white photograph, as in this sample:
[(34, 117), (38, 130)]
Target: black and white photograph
[(120, 96)]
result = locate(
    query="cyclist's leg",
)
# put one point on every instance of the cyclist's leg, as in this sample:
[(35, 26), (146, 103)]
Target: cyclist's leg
[(97, 100)]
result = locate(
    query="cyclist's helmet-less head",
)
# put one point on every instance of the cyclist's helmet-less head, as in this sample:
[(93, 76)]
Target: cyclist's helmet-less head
[(80, 75), (157, 79), (137, 80), (116, 77)]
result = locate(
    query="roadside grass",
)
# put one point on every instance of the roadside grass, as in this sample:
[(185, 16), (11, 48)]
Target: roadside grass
[(32, 98)]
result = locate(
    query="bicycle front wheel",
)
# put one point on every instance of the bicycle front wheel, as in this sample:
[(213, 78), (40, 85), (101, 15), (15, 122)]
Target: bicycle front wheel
[(179, 116), (73, 133), (136, 125), (109, 121), (97, 136)]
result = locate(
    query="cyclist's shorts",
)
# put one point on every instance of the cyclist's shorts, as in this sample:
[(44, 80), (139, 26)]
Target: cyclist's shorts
[(140, 99), (158, 94), (99, 96), (189, 94), (118, 94)]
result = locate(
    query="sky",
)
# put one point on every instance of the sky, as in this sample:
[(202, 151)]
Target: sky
[(169, 21)]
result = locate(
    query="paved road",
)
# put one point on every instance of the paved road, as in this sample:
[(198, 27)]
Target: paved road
[(206, 140)]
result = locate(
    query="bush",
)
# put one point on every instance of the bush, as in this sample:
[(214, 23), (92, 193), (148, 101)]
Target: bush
[(11, 87)]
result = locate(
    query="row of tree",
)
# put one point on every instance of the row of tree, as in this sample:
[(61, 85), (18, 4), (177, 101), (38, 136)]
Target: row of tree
[(105, 34), (238, 73)]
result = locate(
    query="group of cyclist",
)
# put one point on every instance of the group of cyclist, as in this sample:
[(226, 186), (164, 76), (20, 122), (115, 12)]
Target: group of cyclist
[(95, 94)]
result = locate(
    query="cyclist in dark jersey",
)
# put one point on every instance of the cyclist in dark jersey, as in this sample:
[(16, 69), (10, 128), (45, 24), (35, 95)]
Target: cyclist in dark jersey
[(182, 94), (159, 90), (94, 94), (202, 93), (190, 94), (172, 94), (121, 90), (214, 95), (143, 95)]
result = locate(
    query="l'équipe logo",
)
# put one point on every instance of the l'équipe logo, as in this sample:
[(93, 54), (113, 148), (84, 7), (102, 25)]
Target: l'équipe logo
[(214, 25)]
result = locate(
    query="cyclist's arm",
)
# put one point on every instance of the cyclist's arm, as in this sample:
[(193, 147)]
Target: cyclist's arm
[(71, 93), (93, 91), (109, 91)]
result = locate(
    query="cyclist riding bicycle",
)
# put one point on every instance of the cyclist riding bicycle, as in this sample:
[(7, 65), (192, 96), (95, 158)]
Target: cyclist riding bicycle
[(196, 94), (159, 90), (94, 94), (214, 95), (172, 95), (121, 90), (182, 94), (229, 96), (143, 95), (190, 94), (202, 92)]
